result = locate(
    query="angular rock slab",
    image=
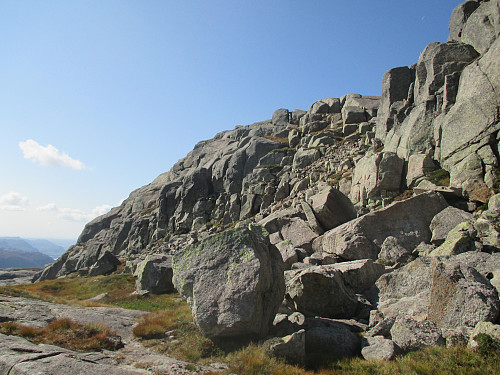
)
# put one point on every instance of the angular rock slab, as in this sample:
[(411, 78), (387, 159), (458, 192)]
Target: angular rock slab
[(410, 334), (320, 291), (332, 208), (154, 274), (408, 221), (445, 221), (21, 357), (379, 348), (461, 296), (233, 282)]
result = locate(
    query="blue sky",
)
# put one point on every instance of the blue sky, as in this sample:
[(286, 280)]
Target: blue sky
[(100, 97)]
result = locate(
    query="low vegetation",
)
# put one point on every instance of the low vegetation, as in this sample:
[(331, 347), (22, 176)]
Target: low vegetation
[(282, 140), (169, 329), (67, 334), (440, 177)]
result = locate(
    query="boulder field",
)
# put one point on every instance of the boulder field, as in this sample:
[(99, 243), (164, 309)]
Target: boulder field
[(365, 225)]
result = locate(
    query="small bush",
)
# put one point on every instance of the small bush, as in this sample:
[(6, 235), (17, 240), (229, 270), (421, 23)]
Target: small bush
[(439, 177), (486, 344)]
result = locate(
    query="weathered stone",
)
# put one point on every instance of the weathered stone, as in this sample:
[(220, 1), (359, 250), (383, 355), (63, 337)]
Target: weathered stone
[(233, 283), (418, 166), (488, 228), (311, 218), (457, 336), (288, 253), (391, 251), (353, 115), (459, 240), (332, 208), (482, 25), (369, 103), (320, 290), (407, 220), (379, 348), (406, 290), (304, 157), (106, 264), (410, 334), (476, 104), (328, 105), (21, 357), (324, 344), (298, 233), (292, 348), (374, 174), (359, 275), (281, 117), (460, 296), (395, 86), (154, 275), (445, 221), (459, 17)]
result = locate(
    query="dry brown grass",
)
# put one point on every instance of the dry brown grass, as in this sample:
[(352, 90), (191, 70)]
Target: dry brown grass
[(283, 140), (67, 334)]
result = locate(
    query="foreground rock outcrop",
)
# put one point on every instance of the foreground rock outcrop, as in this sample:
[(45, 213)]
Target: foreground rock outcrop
[(233, 282)]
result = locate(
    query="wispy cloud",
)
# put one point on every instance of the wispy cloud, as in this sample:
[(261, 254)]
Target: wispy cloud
[(13, 201), (101, 210), (74, 214), (48, 156), (48, 207)]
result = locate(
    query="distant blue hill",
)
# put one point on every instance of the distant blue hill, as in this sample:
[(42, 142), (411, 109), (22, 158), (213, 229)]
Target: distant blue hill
[(34, 247), (23, 259)]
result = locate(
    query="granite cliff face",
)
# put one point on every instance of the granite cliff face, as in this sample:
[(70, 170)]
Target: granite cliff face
[(442, 112)]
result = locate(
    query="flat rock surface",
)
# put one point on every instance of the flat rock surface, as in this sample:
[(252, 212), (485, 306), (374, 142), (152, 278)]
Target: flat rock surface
[(16, 276), (19, 356)]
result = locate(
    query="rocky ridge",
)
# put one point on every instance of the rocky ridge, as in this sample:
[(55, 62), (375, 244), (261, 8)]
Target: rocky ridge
[(348, 195)]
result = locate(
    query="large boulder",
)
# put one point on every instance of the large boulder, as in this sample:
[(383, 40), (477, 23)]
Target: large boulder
[(359, 275), (233, 282), (379, 348), (328, 105), (376, 175), (332, 208), (106, 264), (292, 347), (461, 296), (154, 275), (407, 220), (320, 291), (406, 290), (459, 240), (445, 221), (304, 157), (410, 334), (330, 342)]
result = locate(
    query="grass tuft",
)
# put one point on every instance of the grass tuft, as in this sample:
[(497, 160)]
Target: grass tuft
[(67, 334)]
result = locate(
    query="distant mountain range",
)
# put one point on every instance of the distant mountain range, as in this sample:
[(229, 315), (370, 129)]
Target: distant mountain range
[(30, 252)]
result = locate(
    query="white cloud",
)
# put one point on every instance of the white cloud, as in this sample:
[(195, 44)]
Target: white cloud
[(48, 156), (73, 214), (101, 210), (13, 201), (48, 207)]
